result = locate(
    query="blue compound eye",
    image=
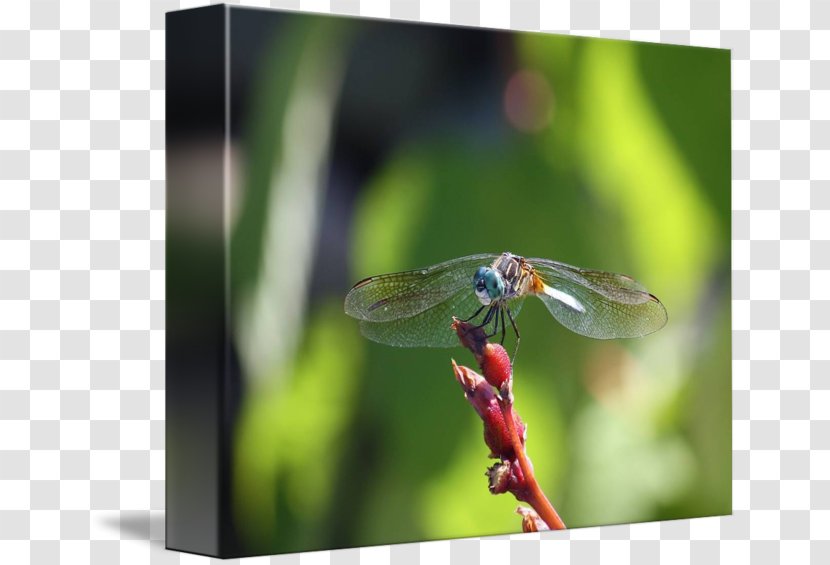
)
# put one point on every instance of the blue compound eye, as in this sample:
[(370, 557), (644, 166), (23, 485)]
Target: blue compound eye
[(488, 285), (493, 283), (478, 279)]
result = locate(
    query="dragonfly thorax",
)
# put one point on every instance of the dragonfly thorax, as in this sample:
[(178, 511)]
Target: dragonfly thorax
[(488, 284), (517, 276)]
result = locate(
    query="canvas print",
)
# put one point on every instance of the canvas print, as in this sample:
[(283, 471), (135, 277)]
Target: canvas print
[(431, 282)]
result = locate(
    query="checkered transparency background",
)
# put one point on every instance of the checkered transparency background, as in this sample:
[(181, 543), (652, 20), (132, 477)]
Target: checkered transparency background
[(82, 292)]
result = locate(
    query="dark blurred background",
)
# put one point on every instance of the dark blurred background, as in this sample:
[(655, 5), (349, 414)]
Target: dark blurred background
[(362, 147)]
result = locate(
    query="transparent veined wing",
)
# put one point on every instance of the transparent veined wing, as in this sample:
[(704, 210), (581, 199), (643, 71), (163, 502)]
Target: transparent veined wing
[(596, 303), (385, 298), (432, 327)]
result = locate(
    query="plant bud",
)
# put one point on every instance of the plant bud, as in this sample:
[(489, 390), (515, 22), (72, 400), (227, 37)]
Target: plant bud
[(499, 477), (506, 476), (489, 408), (486, 403), (495, 364), (531, 522)]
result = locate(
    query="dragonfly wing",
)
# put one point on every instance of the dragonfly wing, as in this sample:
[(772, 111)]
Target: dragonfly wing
[(428, 328), (596, 303), (432, 327), (395, 296)]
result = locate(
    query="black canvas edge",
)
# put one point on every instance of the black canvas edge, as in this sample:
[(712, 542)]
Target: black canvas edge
[(195, 442)]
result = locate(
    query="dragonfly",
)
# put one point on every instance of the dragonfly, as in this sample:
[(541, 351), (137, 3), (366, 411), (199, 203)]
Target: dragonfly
[(415, 308)]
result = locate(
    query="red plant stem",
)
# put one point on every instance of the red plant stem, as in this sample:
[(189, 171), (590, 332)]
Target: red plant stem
[(535, 497)]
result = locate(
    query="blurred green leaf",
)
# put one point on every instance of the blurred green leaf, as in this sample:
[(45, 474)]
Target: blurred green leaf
[(297, 433)]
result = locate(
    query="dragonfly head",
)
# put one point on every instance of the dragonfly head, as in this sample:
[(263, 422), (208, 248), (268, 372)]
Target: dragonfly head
[(488, 284)]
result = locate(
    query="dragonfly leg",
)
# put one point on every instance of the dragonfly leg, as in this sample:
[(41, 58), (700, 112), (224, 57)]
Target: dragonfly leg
[(474, 315), (487, 317), (503, 331), (496, 323), (515, 329)]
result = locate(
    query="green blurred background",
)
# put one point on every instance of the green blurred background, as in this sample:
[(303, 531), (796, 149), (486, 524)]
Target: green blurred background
[(365, 147)]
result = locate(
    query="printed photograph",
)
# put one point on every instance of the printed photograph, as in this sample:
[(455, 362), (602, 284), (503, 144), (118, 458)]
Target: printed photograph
[(479, 281)]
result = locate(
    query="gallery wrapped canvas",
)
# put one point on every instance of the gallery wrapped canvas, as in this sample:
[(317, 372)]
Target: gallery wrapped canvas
[(430, 282)]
